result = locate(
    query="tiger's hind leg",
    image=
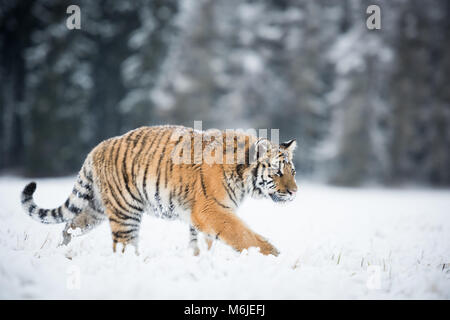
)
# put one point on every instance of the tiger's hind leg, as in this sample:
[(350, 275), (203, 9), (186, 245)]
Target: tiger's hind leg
[(193, 241), (81, 224), (124, 228)]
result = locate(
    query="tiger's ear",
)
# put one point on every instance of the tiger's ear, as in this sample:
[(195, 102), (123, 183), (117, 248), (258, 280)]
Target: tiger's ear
[(289, 145)]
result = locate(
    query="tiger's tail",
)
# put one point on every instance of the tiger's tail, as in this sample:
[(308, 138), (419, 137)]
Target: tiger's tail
[(78, 200)]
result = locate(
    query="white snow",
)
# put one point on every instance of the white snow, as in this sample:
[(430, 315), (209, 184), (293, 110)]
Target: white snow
[(336, 243)]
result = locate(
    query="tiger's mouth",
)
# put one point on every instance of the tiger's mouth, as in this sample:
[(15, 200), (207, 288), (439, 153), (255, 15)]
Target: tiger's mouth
[(276, 197)]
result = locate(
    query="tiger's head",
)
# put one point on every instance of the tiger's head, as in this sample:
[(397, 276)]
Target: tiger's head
[(273, 172)]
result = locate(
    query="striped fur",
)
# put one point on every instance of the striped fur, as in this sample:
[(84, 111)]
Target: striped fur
[(141, 171)]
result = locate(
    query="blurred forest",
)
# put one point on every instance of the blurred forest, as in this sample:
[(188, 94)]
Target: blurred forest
[(366, 106)]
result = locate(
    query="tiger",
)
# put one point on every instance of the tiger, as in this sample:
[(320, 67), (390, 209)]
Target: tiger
[(159, 169)]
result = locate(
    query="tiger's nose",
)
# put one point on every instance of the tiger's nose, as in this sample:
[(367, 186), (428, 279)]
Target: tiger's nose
[(292, 191)]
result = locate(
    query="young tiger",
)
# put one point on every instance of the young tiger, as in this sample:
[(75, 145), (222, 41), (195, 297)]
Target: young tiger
[(161, 169)]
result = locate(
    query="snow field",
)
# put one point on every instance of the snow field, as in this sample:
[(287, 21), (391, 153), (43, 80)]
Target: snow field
[(335, 243)]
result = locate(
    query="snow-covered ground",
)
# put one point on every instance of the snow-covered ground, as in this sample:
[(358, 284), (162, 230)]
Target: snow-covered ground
[(335, 243)]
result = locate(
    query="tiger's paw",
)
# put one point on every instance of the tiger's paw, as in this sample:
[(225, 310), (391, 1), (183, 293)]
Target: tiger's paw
[(267, 248), (196, 251)]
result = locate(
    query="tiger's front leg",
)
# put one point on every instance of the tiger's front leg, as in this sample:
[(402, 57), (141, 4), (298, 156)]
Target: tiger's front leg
[(225, 225), (193, 241)]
